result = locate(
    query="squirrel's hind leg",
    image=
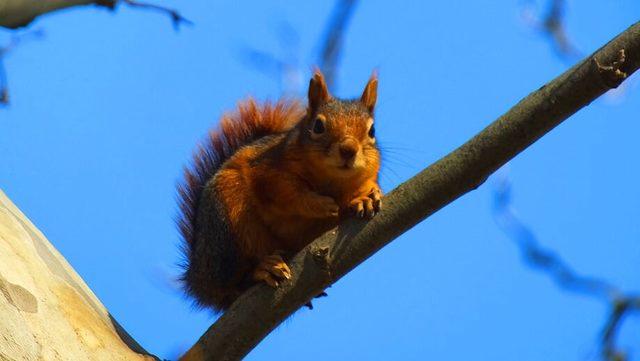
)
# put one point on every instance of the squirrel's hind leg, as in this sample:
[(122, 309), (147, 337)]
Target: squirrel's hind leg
[(309, 305)]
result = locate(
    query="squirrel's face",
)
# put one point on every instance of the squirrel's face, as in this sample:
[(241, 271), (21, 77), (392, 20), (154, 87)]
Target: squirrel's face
[(340, 134)]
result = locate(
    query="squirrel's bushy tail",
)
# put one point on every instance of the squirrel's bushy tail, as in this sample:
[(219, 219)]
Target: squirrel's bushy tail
[(250, 122)]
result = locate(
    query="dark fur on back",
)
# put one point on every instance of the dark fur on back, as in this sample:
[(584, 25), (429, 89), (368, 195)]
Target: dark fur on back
[(207, 244)]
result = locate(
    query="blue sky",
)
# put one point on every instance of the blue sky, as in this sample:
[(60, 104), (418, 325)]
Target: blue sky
[(107, 108)]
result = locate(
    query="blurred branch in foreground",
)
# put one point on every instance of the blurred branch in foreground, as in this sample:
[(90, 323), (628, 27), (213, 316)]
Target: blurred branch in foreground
[(553, 25), (334, 39), (549, 262), (286, 69), (14, 41), (19, 13), (327, 259)]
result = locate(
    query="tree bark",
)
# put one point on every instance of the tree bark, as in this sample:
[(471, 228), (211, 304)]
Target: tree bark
[(18, 13), (46, 311), (330, 257)]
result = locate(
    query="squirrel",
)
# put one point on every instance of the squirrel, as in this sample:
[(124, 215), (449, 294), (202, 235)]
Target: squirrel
[(272, 178)]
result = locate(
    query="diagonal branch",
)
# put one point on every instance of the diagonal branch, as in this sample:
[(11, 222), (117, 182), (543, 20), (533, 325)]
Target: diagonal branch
[(331, 256)]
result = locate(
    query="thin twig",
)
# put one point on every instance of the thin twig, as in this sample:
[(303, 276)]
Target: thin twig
[(553, 25), (334, 38), (176, 18), (14, 41)]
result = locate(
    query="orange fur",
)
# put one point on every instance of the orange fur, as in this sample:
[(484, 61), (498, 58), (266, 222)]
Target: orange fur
[(251, 121), (279, 180)]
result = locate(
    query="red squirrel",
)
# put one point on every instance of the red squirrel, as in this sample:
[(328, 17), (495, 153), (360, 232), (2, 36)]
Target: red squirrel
[(267, 182)]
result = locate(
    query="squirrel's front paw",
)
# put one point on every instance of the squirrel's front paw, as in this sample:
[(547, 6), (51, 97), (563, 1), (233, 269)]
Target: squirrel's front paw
[(271, 270), (368, 205)]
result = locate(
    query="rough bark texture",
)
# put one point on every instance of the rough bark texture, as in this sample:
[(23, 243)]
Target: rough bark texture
[(46, 311), (331, 256), (18, 13)]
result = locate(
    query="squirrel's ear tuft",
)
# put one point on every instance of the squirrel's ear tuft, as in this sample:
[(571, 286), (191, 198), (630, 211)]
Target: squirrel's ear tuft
[(318, 91), (370, 93)]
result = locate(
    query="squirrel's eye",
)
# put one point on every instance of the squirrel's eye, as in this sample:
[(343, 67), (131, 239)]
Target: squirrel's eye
[(372, 131), (318, 126)]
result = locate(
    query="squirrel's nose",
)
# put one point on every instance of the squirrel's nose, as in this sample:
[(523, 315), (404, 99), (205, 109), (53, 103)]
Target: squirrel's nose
[(348, 150)]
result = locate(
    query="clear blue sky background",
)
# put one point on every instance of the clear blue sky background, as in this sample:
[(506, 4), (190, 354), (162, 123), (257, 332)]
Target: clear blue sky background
[(108, 107)]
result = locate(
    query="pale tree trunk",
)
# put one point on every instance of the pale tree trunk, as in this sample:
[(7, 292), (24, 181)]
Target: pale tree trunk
[(47, 312)]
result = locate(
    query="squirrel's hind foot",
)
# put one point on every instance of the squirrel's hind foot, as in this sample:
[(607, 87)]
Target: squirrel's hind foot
[(309, 305), (272, 270)]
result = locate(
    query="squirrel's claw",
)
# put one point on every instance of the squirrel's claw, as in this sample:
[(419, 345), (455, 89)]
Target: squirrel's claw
[(362, 207), (266, 277), (376, 197), (271, 270), (368, 205)]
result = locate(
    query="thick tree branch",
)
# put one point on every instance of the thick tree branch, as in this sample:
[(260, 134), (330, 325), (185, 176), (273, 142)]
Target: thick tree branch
[(330, 257), (47, 312)]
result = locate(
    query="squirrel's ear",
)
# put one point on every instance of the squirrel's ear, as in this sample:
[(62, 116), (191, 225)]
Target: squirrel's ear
[(318, 92), (370, 93)]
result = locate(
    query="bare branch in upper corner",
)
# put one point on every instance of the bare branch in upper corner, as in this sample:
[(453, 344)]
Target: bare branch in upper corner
[(621, 304), (176, 18), (553, 25), (20, 13), (14, 41), (334, 38)]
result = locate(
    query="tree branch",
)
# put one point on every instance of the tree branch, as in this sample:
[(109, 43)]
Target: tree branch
[(19, 13), (331, 256), (46, 310)]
